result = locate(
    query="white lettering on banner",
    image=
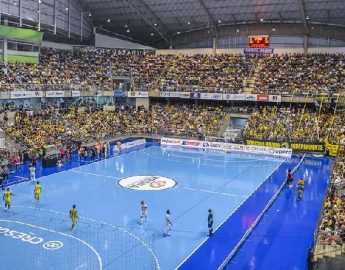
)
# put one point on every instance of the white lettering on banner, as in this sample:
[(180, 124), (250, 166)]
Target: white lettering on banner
[(228, 147), (55, 94), (138, 94), (251, 97), (147, 182), (75, 93), (184, 95), (30, 238), (26, 94)]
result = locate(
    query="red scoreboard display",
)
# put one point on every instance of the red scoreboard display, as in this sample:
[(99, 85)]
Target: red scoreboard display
[(259, 42)]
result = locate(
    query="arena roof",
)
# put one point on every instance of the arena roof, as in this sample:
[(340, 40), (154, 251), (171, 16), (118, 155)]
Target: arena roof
[(158, 21)]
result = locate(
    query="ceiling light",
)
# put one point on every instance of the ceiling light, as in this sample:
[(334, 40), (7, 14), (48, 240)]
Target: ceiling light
[(219, 21), (188, 23), (237, 30), (90, 14), (273, 29), (307, 18), (39, 1), (126, 25), (127, 31), (155, 24), (178, 33), (66, 8), (262, 19), (108, 20), (152, 34)]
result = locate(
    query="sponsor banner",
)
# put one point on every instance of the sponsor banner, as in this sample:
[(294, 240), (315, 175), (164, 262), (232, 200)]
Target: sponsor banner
[(262, 98), (239, 97), (228, 147), (175, 94), (164, 94), (212, 145), (75, 93), (119, 93), (171, 141), (55, 93), (258, 51), (131, 144), (138, 94), (300, 146), (228, 97), (274, 98), (251, 97), (195, 95), (184, 95), (147, 182), (26, 94), (217, 96), (206, 96)]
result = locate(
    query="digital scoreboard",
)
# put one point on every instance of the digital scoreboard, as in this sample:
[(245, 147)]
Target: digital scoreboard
[(259, 42)]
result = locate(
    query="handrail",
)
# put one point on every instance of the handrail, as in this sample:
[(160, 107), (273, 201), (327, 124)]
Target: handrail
[(257, 220)]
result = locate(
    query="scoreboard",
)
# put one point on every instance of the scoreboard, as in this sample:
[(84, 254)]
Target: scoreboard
[(259, 42)]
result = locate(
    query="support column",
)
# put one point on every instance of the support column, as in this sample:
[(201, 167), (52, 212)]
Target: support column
[(4, 53), (214, 45), (305, 44)]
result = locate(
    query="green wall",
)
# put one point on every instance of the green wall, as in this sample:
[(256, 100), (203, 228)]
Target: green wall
[(20, 34), (12, 58)]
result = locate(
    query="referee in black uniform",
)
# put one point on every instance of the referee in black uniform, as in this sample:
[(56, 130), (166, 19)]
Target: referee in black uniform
[(210, 222)]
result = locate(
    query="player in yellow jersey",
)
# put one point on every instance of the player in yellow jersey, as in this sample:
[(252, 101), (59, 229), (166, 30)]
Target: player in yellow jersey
[(37, 192), (7, 198), (73, 216), (300, 188)]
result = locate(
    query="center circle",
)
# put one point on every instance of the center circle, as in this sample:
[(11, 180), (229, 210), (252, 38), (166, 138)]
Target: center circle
[(147, 182)]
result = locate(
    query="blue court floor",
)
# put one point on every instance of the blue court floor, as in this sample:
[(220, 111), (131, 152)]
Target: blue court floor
[(108, 235)]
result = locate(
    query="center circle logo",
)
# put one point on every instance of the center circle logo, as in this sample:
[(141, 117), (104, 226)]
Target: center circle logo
[(147, 182)]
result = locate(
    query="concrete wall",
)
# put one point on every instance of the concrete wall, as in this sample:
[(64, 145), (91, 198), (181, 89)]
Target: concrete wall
[(57, 45), (103, 41), (236, 51)]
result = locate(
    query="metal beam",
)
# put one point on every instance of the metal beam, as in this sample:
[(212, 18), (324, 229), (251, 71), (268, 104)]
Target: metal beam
[(208, 14), (304, 20), (133, 6), (159, 21)]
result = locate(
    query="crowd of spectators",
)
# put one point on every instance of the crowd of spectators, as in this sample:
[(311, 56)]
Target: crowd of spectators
[(285, 124), (87, 69), (300, 74), (332, 225), (54, 126)]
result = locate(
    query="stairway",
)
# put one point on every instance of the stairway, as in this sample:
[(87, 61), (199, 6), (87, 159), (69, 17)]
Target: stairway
[(329, 257), (249, 83)]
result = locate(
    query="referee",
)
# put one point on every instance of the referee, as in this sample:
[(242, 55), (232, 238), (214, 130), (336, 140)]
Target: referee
[(210, 222)]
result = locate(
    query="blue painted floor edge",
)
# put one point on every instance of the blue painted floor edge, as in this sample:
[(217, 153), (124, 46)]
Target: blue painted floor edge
[(215, 249), (282, 238)]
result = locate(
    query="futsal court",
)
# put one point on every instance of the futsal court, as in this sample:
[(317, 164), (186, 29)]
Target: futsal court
[(109, 234)]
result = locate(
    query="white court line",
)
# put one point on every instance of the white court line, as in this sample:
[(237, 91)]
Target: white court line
[(213, 192), (221, 224), (63, 234), (96, 174), (104, 223)]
